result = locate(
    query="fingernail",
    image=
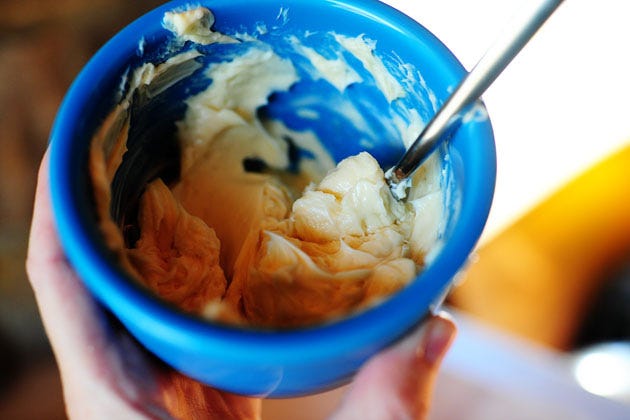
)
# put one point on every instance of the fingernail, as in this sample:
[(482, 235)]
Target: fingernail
[(436, 340)]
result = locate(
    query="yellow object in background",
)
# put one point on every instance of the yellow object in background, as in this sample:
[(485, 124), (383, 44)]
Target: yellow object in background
[(537, 277)]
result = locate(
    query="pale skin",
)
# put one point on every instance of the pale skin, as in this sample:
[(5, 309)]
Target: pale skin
[(106, 374)]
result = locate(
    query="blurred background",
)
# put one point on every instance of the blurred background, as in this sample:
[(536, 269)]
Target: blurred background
[(43, 45), (550, 277)]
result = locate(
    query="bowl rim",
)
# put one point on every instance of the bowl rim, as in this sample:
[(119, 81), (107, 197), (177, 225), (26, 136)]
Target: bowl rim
[(363, 331)]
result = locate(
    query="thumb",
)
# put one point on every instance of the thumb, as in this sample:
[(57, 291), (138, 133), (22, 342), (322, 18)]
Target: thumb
[(398, 383)]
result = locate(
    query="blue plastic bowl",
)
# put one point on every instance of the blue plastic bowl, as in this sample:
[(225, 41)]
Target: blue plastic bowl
[(267, 363)]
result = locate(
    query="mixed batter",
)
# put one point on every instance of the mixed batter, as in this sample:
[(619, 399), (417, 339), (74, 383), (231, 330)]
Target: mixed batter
[(261, 228)]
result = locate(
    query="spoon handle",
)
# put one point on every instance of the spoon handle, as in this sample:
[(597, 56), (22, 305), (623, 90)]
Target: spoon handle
[(493, 62)]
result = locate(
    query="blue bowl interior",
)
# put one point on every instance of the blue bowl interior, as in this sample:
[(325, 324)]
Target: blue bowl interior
[(285, 362)]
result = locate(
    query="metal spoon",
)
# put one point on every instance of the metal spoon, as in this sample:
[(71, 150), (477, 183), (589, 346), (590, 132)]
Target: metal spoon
[(447, 119)]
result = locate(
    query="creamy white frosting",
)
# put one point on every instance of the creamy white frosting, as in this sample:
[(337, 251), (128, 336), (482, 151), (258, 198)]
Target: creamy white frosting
[(194, 25), (287, 249)]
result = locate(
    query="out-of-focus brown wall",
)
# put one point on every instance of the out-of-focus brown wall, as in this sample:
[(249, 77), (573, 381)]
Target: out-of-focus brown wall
[(43, 45)]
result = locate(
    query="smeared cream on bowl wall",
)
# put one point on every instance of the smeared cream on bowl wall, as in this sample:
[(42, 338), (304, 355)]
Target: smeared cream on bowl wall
[(242, 237)]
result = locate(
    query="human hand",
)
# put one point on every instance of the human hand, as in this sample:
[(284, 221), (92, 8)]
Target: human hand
[(106, 374)]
